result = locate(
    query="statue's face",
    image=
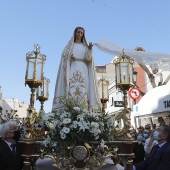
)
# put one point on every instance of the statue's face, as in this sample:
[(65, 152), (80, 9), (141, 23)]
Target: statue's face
[(79, 34)]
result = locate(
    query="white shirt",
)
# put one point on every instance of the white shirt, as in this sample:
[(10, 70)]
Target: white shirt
[(148, 149), (9, 144)]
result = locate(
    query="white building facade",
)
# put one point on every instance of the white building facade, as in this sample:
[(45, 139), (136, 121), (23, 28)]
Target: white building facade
[(15, 104), (11, 104)]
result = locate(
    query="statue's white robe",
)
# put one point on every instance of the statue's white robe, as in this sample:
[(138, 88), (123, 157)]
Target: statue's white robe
[(76, 78)]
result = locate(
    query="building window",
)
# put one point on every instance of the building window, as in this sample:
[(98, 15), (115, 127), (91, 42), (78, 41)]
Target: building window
[(101, 69)]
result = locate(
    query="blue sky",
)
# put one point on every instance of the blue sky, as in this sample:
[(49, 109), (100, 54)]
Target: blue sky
[(23, 23)]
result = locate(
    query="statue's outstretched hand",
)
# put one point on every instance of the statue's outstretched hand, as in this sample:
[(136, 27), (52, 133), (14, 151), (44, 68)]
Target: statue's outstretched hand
[(90, 46)]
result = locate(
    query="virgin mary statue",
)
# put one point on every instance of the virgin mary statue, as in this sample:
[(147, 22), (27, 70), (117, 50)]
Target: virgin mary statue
[(76, 77)]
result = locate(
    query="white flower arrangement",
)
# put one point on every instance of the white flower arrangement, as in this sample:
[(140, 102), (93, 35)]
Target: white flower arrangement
[(76, 124)]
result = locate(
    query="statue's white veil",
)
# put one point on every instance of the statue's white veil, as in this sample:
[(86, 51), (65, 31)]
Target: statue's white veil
[(159, 60)]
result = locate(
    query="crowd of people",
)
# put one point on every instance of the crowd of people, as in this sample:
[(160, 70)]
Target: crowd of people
[(152, 147), (145, 141)]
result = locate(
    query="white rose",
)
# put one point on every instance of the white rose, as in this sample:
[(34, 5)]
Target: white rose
[(76, 109), (66, 120)]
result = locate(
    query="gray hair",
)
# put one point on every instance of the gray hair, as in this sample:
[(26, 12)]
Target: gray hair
[(4, 128)]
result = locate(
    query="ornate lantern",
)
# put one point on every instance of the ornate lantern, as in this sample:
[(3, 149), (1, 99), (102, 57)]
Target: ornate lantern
[(124, 80), (32, 134), (124, 74), (103, 90), (33, 78), (34, 71), (43, 92)]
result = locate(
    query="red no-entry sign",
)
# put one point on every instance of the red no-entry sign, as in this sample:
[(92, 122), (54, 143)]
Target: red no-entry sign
[(134, 93)]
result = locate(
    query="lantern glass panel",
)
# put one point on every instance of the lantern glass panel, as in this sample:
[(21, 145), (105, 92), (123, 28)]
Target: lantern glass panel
[(30, 74), (100, 90), (124, 73), (39, 91), (117, 69), (43, 90), (131, 73), (46, 89), (39, 70), (134, 76), (105, 91)]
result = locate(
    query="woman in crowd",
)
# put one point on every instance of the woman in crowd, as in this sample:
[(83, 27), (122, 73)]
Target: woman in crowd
[(146, 134)]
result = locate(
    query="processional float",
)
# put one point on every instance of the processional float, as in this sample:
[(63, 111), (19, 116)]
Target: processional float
[(80, 155)]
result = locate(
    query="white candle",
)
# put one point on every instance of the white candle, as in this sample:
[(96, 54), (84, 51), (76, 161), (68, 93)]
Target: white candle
[(124, 76)]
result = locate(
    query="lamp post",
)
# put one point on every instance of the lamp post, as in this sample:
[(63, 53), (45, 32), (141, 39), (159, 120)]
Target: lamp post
[(43, 92), (124, 80), (103, 86), (33, 78)]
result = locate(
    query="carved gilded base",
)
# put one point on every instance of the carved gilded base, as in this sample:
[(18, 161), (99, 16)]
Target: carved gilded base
[(82, 156), (124, 149), (31, 152)]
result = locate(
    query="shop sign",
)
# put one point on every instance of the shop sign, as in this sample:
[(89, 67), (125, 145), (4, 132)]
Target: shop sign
[(118, 103), (166, 104)]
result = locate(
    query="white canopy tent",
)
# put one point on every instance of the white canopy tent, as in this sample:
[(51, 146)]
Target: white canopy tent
[(155, 101)]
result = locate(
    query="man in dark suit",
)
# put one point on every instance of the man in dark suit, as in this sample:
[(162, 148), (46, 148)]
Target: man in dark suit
[(10, 149), (159, 157)]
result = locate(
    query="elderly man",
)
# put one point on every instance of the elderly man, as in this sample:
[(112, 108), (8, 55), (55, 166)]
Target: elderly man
[(10, 150), (159, 157)]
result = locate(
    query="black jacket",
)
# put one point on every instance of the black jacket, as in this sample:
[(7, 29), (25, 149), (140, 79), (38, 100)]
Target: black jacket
[(139, 152), (157, 159), (7, 159)]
